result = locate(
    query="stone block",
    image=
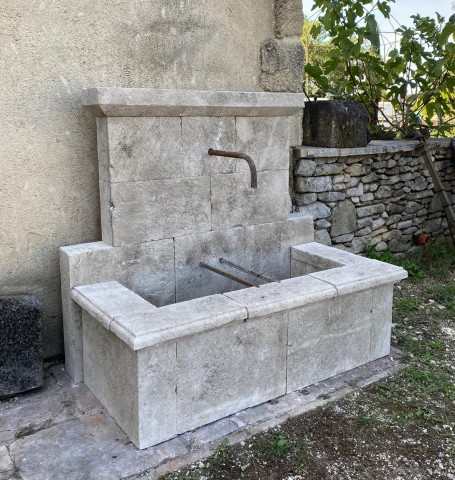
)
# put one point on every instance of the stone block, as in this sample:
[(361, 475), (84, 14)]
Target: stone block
[(315, 210), (305, 198), (139, 149), (305, 168), (254, 350), (331, 196), (288, 18), (343, 218), (147, 269), (153, 102), (265, 140), (269, 245), (157, 209), (313, 184), (201, 133), (106, 300), (370, 210), (381, 322), (328, 338), (112, 369), (235, 203), (286, 295), (329, 169), (335, 124), (282, 65), (322, 236), (21, 365)]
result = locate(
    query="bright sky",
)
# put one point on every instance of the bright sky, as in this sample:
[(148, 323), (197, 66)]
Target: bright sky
[(403, 9), (401, 15)]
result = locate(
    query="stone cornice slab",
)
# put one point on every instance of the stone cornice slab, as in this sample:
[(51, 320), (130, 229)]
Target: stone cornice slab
[(373, 148), (146, 102)]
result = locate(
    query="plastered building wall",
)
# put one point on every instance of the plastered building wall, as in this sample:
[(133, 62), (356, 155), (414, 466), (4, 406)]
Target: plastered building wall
[(49, 51)]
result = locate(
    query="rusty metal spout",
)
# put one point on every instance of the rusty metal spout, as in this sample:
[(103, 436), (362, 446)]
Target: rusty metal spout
[(249, 160)]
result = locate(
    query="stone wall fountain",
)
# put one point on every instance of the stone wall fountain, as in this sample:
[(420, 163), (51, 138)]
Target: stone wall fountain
[(165, 342)]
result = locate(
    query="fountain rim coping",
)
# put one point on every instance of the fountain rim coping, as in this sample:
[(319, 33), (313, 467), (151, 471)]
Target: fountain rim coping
[(149, 102), (375, 147), (140, 324)]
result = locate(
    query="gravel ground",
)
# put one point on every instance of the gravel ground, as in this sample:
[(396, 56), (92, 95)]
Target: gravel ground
[(402, 428)]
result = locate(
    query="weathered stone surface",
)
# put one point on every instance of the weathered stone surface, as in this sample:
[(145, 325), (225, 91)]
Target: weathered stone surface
[(305, 168), (335, 124), (198, 135), (343, 238), (21, 366), (205, 364), (419, 184), (155, 102), (315, 210), (327, 338), (235, 203), (150, 274), (331, 196), (412, 207), (367, 197), (288, 18), (6, 464), (355, 191), (282, 65), (264, 248), (145, 211), (305, 198), (343, 218), (357, 169), (329, 169), (323, 223), (384, 191), (140, 149), (265, 140), (112, 368), (313, 184), (322, 236), (370, 210)]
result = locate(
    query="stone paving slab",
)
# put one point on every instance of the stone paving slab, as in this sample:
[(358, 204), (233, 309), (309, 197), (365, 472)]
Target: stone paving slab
[(62, 432)]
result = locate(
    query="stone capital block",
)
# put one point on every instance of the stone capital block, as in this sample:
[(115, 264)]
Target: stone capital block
[(288, 18), (282, 66)]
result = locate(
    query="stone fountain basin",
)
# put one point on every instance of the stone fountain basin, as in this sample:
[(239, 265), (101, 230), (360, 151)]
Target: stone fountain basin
[(163, 371)]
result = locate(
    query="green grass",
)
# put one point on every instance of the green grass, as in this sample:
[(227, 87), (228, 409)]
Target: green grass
[(414, 269), (406, 306)]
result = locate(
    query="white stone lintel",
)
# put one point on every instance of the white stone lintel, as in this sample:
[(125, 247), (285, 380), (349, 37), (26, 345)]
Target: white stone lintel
[(147, 102)]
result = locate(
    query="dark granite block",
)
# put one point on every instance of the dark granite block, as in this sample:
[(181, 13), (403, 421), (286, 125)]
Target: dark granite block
[(335, 124), (21, 366)]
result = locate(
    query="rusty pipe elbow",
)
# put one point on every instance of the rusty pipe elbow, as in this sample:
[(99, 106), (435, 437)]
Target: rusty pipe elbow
[(247, 158)]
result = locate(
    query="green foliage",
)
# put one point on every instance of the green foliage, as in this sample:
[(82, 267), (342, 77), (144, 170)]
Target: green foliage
[(438, 258), (418, 77), (414, 270)]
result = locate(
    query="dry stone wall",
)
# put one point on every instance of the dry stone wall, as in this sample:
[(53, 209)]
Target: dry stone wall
[(379, 196)]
